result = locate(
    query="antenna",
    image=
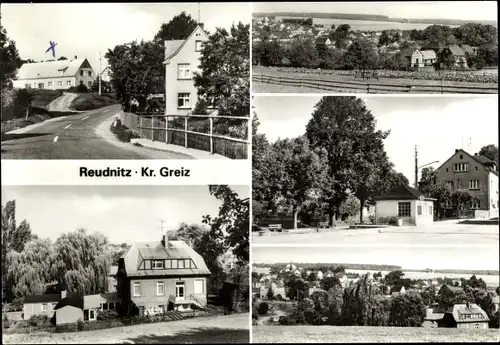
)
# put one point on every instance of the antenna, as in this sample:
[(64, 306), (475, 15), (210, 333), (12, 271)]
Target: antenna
[(199, 20)]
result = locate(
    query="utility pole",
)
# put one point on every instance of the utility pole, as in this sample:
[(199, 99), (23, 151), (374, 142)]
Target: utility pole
[(100, 73), (416, 167)]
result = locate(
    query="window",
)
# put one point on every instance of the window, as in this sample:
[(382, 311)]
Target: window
[(168, 263), (59, 83), (450, 184), (183, 71), (404, 209), (474, 184), (40, 85), (180, 264), (92, 315), (45, 307), (81, 82), (446, 169), (27, 86), (68, 82), (160, 289), (81, 73), (475, 204), (197, 46), (89, 73), (430, 211), (461, 156), (49, 83), (112, 306), (137, 289), (157, 264), (104, 306), (459, 167), (419, 210), (198, 286), (179, 290), (114, 288), (183, 100)]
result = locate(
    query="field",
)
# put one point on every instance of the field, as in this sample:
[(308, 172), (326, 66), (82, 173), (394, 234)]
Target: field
[(221, 329), (312, 80), (335, 334)]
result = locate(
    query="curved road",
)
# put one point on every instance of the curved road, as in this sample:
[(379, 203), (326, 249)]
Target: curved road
[(85, 135), (62, 103)]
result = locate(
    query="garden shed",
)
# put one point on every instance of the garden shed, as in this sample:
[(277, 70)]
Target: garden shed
[(406, 205)]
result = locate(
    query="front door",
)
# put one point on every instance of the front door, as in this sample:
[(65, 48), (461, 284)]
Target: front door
[(179, 290)]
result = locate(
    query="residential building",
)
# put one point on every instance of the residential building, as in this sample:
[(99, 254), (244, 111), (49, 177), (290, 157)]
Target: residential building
[(55, 75), (324, 42), (407, 204), (468, 49), (69, 309), (182, 58), (106, 74), (432, 318), (277, 287), (398, 289), (94, 304), (456, 53), (476, 173), (40, 305), (319, 274), (159, 276), (112, 283), (468, 315)]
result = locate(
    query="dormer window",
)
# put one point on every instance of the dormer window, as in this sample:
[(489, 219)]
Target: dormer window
[(157, 264)]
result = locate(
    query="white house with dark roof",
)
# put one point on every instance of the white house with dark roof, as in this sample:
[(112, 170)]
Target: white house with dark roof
[(106, 74), (55, 75), (163, 275), (182, 58)]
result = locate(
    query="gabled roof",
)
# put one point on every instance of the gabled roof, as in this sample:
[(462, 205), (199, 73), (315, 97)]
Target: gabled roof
[(472, 308), (428, 54), (42, 298), (51, 69), (467, 48), (484, 161), (72, 299), (456, 50), (172, 47), (408, 51), (433, 316), (402, 193), (155, 250)]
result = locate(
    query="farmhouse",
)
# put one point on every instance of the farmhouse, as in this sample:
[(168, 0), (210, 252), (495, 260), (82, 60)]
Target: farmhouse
[(158, 276), (465, 316), (182, 58), (55, 75), (476, 173), (407, 204)]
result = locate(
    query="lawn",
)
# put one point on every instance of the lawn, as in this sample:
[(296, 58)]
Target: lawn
[(204, 330), (336, 334), (90, 101)]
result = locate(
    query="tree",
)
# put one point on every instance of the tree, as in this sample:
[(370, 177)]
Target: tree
[(439, 191), (10, 63), (490, 151), (270, 293), (295, 173), (345, 129), (190, 234), (179, 28), (462, 200), (225, 69), (62, 58), (330, 282), (302, 53), (407, 310), (349, 207), (361, 56), (428, 178), (269, 53), (396, 62), (394, 277)]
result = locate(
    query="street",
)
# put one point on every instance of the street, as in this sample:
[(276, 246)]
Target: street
[(85, 135), (443, 233)]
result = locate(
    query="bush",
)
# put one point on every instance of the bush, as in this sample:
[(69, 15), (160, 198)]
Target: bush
[(393, 220), (81, 89), (122, 133), (39, 320), (287, 321), (263, 308), (107, 315), (80, 325)]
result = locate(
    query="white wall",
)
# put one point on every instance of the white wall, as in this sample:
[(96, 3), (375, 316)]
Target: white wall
[(86, 79), (427, 216), (173, 86), (389, 208), (34, 83), (493, 192)]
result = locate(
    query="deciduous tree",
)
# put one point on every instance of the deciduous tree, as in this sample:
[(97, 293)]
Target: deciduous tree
[(178, 28), (407, 310), (490, 151)]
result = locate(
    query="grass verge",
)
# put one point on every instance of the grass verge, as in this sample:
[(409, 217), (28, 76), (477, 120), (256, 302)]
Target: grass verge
[(37, 116), (121, 132)]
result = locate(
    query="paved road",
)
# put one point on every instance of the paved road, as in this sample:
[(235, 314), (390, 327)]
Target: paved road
[(445, 233), (85, 135), (62, 103)]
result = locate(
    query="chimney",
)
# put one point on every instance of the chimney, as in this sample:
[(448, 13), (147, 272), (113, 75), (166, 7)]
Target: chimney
[(164, 240), (456, 150), (76, 57), (63, 294)]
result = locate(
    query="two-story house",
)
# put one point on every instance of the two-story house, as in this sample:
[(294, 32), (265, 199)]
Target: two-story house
[(160, 276), (182, 58), (476, 173), (55, 75)]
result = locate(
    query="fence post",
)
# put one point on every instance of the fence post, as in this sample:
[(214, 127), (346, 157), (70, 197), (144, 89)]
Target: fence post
[(166, 129), (211, 134), (140, 126), (442, 81), (185, 132), (409, 88), (368, 87)]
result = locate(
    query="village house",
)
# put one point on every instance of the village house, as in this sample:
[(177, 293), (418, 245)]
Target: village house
[(69, 309), (468, 315), (160, 276), (106, 74), (94, 304), (277, 287), (55, 75), (409, 205), (456, 53), (476, 173), (41, 304), (182, 58)]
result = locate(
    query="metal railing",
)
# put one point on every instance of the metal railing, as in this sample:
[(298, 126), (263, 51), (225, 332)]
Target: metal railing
[(187, 131), (370, 86)]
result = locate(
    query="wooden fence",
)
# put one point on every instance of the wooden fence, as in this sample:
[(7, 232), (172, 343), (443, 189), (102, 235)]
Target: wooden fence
[(370, 86), (202, 132)]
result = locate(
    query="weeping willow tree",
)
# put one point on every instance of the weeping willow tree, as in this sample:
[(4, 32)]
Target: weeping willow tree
[(81, 261)]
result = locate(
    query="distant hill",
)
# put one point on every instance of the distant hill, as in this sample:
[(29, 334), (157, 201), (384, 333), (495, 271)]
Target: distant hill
[(368, 267), (372, 17), (460, 271)]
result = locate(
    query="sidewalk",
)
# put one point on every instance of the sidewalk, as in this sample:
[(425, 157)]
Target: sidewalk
[(158, 145)]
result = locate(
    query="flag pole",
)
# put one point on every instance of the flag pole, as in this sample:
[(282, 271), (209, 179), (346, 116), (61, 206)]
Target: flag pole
[(100, 73)]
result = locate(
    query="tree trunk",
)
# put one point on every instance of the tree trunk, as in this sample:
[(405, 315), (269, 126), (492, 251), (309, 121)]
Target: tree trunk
[(295, 216), (331, 214), (361, 206)]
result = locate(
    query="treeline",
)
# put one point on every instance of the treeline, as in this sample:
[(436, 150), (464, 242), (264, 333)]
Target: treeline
[(456, 271), (298, 21), (333, 266)]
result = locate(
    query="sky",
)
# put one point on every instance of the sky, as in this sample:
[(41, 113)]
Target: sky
[(484, 258), (465, 10), (85, 29), (437, 125), (122, 213)]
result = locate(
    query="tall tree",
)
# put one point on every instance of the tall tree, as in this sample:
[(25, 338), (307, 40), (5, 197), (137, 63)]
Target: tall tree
[(10, 62), (407, 310), (178, 28), (225, 69), (490, 151), (190, 234), (345, 129), (360, 55)]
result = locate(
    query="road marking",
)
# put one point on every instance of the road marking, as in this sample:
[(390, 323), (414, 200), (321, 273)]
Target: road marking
[(84, 118), (55, 139), (67, 127)]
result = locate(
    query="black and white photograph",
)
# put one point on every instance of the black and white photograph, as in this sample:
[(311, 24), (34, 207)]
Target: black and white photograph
[(437, 47), (375, 169), (375, 294), (125, 264), (129, 81)]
